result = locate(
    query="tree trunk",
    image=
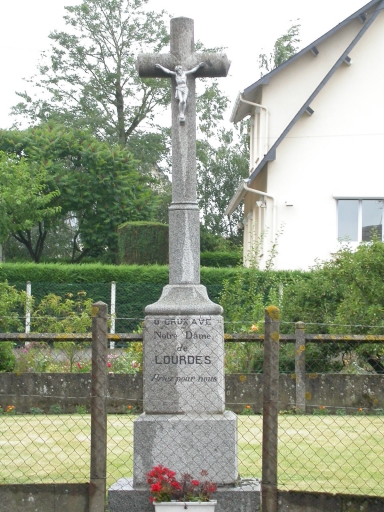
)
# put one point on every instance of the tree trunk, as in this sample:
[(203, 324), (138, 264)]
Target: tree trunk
[(26, 239), (120, 114)]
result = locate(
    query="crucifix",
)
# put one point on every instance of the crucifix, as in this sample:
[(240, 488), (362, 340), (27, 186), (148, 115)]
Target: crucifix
[(183, 66), (183, 333)]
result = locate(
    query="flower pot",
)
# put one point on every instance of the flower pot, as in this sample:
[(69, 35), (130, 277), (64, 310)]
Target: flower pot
[(181, 506)]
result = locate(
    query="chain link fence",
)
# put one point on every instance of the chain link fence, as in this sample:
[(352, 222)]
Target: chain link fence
[(126, 301), (320, 428)]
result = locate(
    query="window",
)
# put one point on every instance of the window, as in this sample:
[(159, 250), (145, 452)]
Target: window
[(359, 219)]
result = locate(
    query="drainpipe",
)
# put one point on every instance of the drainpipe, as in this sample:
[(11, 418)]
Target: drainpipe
[(266, 119), (261, 193)]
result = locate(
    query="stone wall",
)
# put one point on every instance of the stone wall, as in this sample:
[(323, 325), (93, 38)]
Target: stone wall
[(334, 391), (44, 497)]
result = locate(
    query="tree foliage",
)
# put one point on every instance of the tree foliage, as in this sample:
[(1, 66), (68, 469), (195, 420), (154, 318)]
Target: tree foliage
[(99, 186), (284, 48), (343, 296), (89, 79), (346, 292), (24, 195), (220, 168), (10, 302)]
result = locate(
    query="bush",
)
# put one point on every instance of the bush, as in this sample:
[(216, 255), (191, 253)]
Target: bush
[(83, 273), (7, 359), (342, 296), (221, 259), (10, 302), (143, 243)]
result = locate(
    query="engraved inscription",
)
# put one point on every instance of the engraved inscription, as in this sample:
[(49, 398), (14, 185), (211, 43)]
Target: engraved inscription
[(184, 363), (175, 380), (182, 342), (182, 360)]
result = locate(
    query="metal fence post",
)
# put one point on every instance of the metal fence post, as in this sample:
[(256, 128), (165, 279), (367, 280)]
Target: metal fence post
[(28, 291), (97, 490), (300, 365), (270, 409), (113, 313)]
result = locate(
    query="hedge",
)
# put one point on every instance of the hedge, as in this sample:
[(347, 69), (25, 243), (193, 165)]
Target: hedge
[(221, 259), (143, 243), (137, 285), (97, 273)]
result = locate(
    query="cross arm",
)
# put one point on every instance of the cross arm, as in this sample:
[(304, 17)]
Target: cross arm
[(145, 64), (215, 64)]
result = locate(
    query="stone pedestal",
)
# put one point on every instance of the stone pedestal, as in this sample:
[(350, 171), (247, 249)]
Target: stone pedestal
[(185, 426), (245, 497), (186, 444)]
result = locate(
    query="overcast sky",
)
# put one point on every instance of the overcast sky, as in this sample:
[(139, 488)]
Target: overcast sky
[(245, 28)]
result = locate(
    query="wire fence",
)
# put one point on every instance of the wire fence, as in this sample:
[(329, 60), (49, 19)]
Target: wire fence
[(321, 425), (126, 301)]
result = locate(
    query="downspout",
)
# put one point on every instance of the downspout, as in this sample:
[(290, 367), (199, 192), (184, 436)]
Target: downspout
[(266, 119), (260, 193)]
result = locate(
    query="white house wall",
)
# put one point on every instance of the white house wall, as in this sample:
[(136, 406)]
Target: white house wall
[(338, 151), (289, 89)]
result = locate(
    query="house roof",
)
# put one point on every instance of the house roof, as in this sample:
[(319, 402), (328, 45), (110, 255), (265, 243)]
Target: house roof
[(242, 109)]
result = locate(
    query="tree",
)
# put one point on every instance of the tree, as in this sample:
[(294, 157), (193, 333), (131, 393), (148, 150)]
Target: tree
[(221, 166), (57, 244), (25, 198), (99, 186), (89, 78), (10, 301), (284, 48), (219, 170)]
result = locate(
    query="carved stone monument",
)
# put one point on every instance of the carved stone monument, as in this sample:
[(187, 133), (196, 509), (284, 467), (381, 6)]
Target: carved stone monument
[(184, 425)]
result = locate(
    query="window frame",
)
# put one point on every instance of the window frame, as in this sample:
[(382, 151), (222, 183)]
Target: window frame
[(360, 200)]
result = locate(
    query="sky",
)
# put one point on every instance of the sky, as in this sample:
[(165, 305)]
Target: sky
[(244, 28)]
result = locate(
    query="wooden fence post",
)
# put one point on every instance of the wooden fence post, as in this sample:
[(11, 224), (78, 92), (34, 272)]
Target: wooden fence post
[(300, 366), (97, 489), (270, 409)]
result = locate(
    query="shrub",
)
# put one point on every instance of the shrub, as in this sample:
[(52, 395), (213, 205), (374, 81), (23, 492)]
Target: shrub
[(7, 358), (143, 243), (344, 295), (11, 304), (36, 410), (221, 259), (55, 409)]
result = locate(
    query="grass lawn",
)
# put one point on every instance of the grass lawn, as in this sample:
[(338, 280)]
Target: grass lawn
[(320, 453)]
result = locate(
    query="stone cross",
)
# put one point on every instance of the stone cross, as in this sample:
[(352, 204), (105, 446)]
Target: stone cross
[(185, 425), (184, 226)]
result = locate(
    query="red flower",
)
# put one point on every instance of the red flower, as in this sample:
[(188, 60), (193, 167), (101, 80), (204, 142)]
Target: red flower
[(156, 487), (195, 482), (176, 485), (109, 364)]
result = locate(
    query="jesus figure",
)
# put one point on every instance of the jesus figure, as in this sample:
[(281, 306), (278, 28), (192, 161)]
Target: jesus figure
[(181, 85)]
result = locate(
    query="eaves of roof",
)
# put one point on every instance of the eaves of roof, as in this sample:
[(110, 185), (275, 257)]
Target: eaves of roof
[(241, 110), (271, 155)]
